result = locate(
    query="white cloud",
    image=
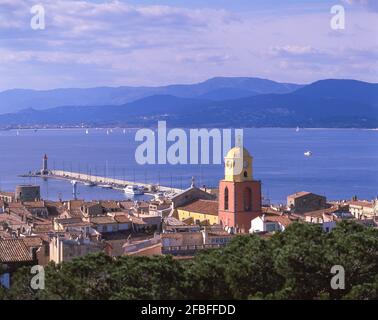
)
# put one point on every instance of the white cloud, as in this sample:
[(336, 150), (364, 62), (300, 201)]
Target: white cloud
[(89, 43), (369, 4), (293, 50)]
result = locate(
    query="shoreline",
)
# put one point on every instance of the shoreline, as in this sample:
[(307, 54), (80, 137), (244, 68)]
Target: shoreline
[(185, 128)]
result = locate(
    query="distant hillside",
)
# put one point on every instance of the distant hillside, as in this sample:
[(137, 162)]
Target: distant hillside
[(328, 103), (351, 90), (213, 89)]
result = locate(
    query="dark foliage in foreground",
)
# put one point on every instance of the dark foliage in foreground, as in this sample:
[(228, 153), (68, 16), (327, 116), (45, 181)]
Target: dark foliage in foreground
[(295, 264)]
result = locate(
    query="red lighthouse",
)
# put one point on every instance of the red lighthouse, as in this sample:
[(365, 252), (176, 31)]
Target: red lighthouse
[(239, 194)]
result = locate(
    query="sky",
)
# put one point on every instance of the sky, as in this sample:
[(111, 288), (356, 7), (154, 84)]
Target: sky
[(150, 43)]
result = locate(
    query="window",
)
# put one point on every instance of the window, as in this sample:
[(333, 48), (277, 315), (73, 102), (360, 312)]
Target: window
[(247, 199), (226, 199)]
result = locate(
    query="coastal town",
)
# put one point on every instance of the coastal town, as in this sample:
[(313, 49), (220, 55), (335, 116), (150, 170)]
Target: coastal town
[(36, 231)]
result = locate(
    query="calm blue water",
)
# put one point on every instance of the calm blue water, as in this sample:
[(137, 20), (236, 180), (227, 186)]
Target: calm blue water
[(344, 162)]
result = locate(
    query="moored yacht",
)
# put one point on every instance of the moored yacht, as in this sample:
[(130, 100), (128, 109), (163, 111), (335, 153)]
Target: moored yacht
[(135, 190)]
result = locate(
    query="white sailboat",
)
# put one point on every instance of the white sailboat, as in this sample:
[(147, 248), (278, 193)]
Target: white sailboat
[(86, 131), (297, 129), (107, 131)]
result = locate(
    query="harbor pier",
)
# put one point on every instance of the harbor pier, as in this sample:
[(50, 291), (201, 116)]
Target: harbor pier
[(94, 180), (100, 181)]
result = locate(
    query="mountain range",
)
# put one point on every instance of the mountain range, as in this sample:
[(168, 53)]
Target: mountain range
[(218, 102), (220, 88)]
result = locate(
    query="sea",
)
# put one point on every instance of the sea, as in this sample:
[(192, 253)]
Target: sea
[(343, 164)]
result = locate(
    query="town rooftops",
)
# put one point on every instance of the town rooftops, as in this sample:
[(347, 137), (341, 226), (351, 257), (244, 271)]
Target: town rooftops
[(14, 250), (202, 206)]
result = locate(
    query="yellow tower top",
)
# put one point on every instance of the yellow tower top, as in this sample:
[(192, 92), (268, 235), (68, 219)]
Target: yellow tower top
[(238, 165)]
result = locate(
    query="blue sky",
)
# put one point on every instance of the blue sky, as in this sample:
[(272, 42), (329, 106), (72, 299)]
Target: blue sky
[(143, 42)]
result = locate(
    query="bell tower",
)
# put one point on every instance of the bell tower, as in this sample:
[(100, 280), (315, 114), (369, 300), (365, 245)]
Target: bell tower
[(239, 194)]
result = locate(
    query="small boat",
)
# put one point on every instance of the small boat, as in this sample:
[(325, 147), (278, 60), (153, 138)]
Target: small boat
[(297, 129), (135, 190), (159, 196), (124, 131), (106, 186), (86, 131), (18, 132), (89, 184), (308, 153), (107, 132)]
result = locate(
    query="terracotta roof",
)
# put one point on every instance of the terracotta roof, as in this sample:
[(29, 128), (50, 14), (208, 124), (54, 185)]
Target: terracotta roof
[(102, 220), (299, 194), (66, 222), (34, 204), (75, 213), (164, 206), (90, 204), (285, 221), (10, 219), (361, 203), (109, 204), (55, 208), (7, 194), (202, 206), (75, 203), (32, 241), (122, 219), (219, 233), (14, 250), (136, 220), (42, 227), (319, 213), (127, 204), (5, 235)]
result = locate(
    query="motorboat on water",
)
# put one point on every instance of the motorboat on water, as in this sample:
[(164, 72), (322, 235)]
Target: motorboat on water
[(106, 186), (89, 184), (134, 190), (308, 153)]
